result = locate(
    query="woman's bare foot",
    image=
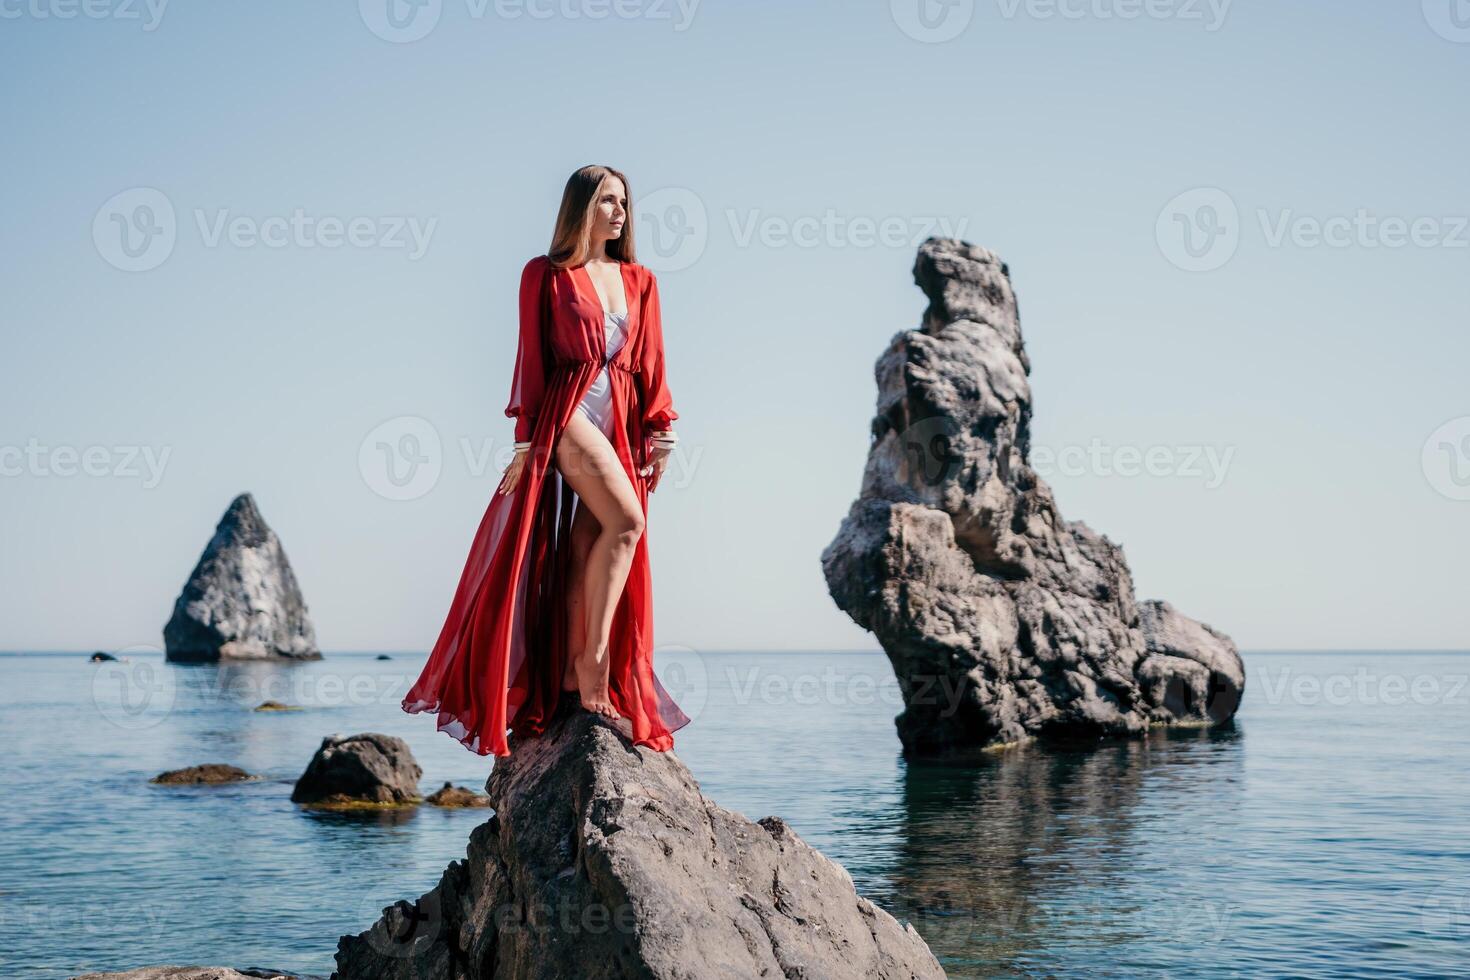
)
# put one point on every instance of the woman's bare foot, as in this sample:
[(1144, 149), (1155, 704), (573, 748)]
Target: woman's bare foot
[(592, 684)]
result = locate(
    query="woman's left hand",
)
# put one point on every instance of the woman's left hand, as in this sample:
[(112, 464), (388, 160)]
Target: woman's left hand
[(658, 461)]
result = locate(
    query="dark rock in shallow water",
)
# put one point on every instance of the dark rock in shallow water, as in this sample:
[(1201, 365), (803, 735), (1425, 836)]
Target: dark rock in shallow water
[(452, 796), (360, 770), (101, 657), (241, 601), (210, 772), (603, 860), (275, 706), (1002, 620)]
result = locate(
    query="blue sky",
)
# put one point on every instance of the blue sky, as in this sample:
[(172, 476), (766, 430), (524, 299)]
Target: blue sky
[(351, 210)]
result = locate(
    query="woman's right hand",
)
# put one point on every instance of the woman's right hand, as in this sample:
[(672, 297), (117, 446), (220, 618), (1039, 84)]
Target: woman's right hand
[(513, 473)]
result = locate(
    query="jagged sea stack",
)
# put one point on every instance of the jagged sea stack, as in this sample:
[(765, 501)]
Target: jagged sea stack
[(241, 601), (1003, 621)]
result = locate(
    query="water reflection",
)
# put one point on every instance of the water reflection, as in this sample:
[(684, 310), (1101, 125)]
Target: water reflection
[(1027, 850)]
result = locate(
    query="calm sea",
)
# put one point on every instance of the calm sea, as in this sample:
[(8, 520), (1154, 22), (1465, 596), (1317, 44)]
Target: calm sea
[(1327, 835)]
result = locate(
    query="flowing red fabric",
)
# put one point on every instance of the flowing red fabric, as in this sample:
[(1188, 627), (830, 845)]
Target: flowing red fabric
[(498, 662)]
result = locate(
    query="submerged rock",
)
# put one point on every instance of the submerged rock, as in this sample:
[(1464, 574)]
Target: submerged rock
[(1003, 621), (241, 602), (604, 860), (456, 796), (209, 772), (360, 770)]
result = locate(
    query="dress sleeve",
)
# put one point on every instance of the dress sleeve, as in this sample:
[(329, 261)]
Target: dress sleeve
[(529, 382), (658, 403)]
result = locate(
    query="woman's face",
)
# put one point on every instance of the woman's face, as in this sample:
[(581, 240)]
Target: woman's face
[(611, 211)]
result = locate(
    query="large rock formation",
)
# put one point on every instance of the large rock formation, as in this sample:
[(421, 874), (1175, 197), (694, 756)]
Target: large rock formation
[(242, 600), (1002, 620), (604, 860)]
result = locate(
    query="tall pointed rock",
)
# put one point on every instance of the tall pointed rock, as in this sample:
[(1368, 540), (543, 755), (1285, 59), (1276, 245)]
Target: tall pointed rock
[(241, 601)]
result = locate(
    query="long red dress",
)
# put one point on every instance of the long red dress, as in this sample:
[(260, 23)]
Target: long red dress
[(498, 662)]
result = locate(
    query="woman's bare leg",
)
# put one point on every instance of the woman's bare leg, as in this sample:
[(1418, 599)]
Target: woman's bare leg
[(589, 464), (585, 530)]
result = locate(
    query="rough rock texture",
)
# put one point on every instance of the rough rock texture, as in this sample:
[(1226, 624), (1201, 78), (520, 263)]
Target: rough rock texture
[(604, 860), (241, 600), (360, 769), (1003, 621), (209, 772)]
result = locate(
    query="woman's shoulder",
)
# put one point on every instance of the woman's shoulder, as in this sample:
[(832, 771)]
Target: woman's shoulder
[(642, 274)]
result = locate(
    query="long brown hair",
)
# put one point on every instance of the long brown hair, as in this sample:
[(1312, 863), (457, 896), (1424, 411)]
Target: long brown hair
[(571, 243)]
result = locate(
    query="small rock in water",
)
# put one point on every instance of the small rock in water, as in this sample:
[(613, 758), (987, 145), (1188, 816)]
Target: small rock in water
[(100, 657), (210, 772), (452, 795), (275, 706), (366, 770)]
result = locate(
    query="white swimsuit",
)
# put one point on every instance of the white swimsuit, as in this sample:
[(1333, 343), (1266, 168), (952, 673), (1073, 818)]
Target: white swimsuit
[(597, 404)]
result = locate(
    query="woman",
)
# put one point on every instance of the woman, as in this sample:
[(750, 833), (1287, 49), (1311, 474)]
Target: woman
[(556, 596)]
